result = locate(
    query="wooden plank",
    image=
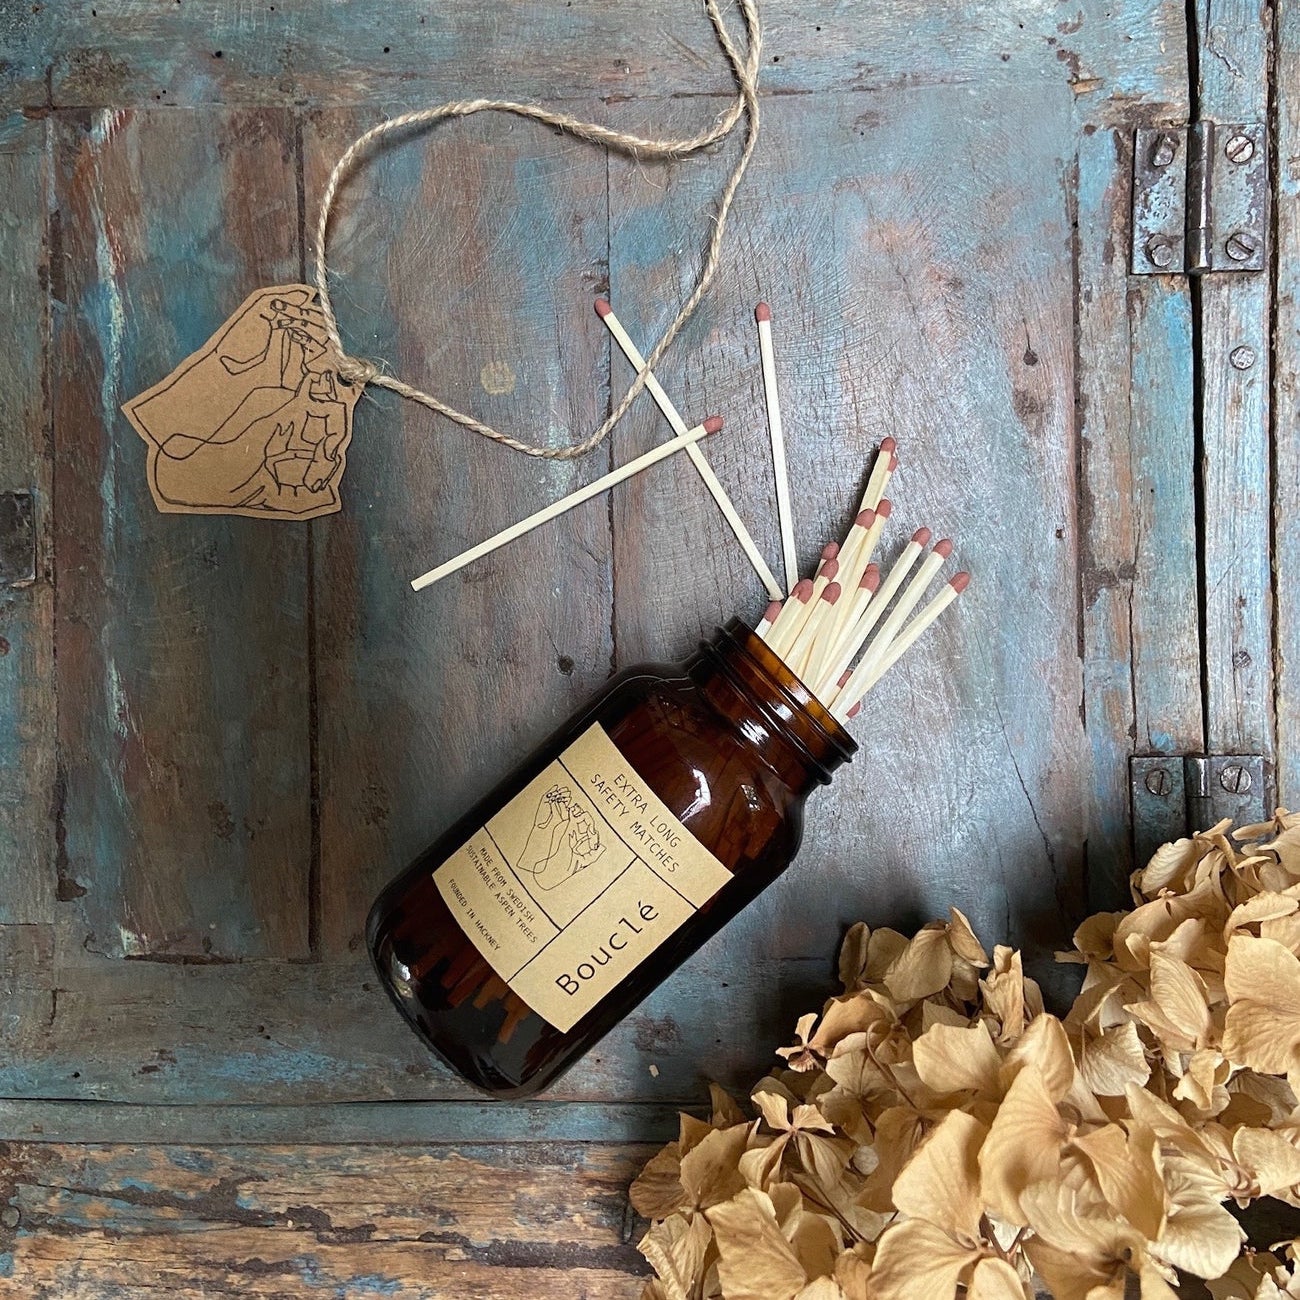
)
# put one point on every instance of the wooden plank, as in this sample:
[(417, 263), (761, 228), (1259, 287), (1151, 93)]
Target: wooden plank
[(900, 307), (1140, 625), (388, 1123), (475, 1221), (427, 699), (118, 53), (27, 695), (181, 639), (1233, 87), (1286, 400)]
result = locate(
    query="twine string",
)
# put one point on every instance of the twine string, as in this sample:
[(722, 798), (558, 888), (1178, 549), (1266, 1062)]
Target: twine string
[(744, 68)]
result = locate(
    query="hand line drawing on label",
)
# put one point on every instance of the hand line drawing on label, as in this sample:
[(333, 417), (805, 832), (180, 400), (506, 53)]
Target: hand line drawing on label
[(564, 840)]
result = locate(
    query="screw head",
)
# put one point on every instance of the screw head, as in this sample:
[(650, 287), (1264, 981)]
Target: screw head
[(1163, 151), (1236, 779), (1158, 781), (1160, 251), (1240, 246), (1239, 149), (1242, 358)]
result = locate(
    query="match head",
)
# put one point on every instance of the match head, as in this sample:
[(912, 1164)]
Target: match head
[(772, 612), (885, 508), (831, 592), (762, 312), (943, 548), (865, 519), (959, 581), (713, 424), (887, 445), (871, 578), (829, 570), (855, 710), (893, 462), (921, 537), (803, 590), (830, 551), (603, 308)]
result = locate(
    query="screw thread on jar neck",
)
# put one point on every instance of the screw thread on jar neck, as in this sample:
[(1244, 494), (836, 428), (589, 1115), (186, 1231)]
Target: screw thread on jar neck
[(793, 731)]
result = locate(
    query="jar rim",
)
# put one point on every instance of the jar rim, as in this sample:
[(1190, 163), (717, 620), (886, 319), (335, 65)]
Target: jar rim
[(792, 691)]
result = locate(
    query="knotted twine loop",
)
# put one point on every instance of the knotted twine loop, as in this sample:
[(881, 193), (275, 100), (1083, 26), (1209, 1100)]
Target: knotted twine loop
[(745, 71)]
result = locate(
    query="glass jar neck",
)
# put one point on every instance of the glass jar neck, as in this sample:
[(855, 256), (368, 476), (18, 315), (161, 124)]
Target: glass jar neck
[(789, 729)]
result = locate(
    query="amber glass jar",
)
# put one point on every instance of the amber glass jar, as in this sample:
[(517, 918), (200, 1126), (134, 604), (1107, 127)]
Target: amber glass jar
[(514, 943)]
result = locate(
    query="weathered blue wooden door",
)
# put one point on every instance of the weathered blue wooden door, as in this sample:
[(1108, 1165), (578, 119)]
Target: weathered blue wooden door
[(223, 735)]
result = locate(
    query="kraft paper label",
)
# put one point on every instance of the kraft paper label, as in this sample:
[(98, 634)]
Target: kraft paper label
[(577, 880)]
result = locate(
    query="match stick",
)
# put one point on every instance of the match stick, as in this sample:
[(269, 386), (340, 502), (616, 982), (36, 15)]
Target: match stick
[(673, 416), (763, 315), (827, 571), (890, 628), (842, 643), (792, 614), (687, 439), (804, 648), (950, 591), (881, 471), (770, 615)]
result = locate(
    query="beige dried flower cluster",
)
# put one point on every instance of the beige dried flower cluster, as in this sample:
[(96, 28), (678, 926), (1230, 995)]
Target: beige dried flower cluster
[(935, 1134)]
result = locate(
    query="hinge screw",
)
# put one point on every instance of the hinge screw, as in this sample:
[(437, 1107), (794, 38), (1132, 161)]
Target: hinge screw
[(1239, 149), (1239, 246), (1158, 781), (1163, 151), (1236, 779), (1160, 251), (1242, 358)]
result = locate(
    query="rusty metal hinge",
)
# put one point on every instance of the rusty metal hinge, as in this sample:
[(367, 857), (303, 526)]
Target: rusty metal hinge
[(1179, 794), (1200, 198)]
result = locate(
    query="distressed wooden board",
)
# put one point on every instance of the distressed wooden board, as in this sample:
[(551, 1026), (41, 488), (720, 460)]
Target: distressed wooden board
[(468, 258), (476, 1222), (1140, 627), (117, 52), (387, 1123), (182, 644), (1233, 87), (1286, 402), (27, 697), (900, 307)]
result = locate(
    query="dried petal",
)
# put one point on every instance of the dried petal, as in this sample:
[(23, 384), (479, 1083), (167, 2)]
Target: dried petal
[(916, 1260), (948, 1060), (995, 1279), (710, 1173), (675, 1249), (755, 1262), (923, 968), (1128, 1174), (941, 1182), (1110, 1061), (1023, 1146), (962, 938), (1262, 1030)]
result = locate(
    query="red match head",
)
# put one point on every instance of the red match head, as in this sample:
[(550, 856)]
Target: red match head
[(844, 678), (830, 551), (772, 612), (943, 548), (959, 581), (855, 710), (887, 445), (831, 593), (893, 462), (713, 424), (762, 312), (921, 537), (865, 519), (603, 308), (829, 570), (803, 590), (885, 508), (871, 578)]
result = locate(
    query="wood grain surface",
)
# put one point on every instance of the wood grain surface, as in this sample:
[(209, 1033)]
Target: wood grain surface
[(218, 737)]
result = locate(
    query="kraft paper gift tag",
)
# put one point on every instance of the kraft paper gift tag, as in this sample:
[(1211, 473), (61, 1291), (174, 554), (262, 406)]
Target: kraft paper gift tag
[(257, 421)]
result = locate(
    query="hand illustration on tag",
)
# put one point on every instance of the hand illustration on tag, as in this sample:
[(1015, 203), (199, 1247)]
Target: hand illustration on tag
[(564, 839), (257, 422)]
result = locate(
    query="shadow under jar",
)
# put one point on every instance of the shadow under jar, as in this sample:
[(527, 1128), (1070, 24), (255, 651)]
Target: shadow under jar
[(538, 921)]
